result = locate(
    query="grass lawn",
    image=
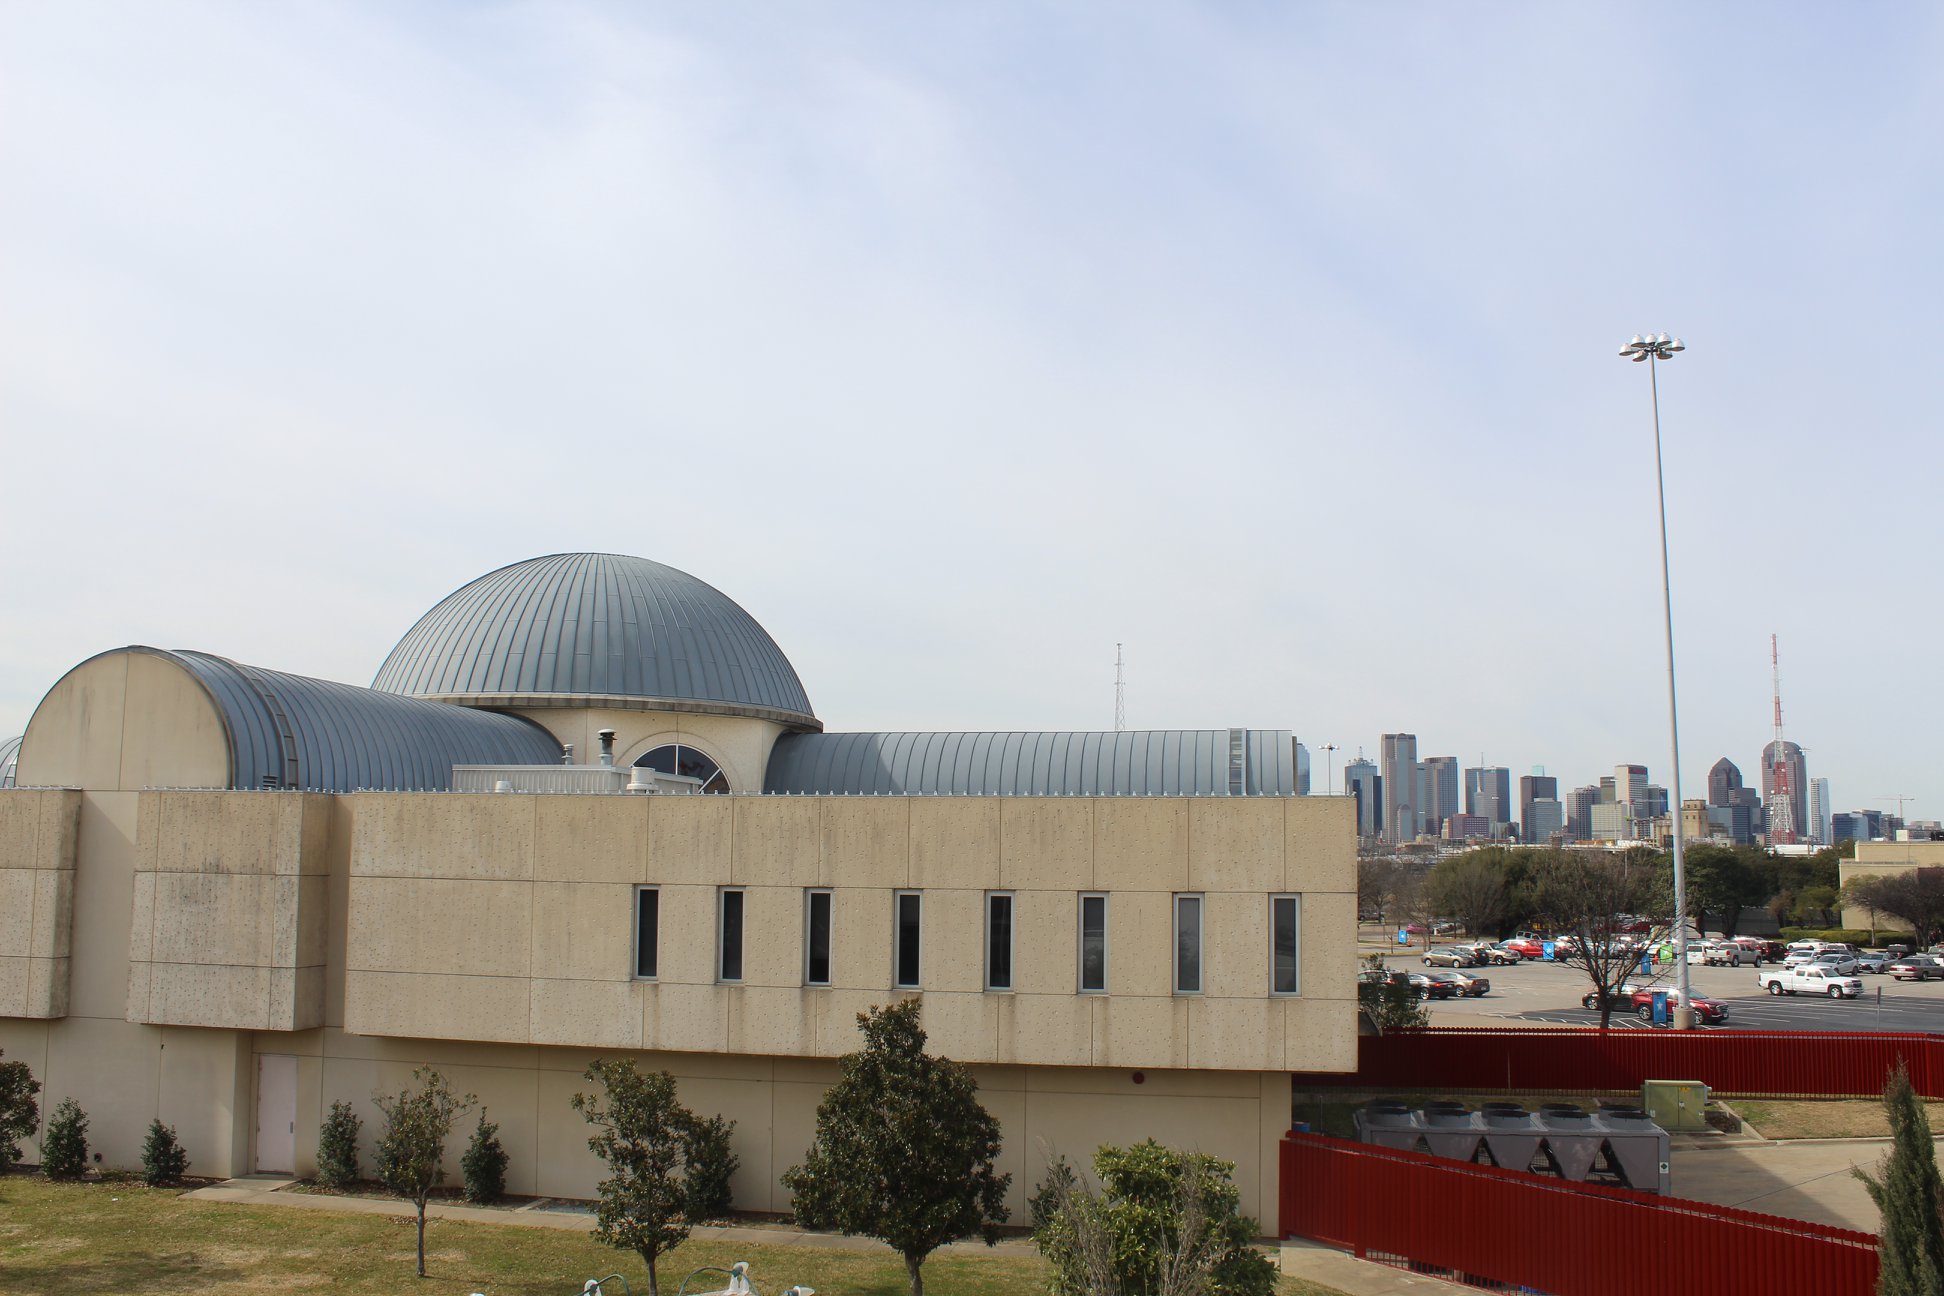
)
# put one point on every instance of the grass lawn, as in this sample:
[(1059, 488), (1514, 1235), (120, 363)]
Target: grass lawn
[(122, 1237), (1824, 1117)]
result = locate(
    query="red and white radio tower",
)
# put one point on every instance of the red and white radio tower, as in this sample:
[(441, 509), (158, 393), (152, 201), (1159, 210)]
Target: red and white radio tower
[(1782, 794)]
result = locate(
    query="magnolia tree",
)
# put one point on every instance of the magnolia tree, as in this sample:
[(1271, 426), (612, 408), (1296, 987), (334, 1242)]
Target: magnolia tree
[(904, 1152), (411, 1145), (19, 1113)]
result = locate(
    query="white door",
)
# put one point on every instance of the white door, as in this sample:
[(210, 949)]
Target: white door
[(276, 1135)]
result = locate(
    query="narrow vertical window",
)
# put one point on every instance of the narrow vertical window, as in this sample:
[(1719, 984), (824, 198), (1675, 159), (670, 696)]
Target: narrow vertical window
[(647, 931), (906, 960), (816, 938), (1188, 944), (730, 967), (1285, 921), (1093, 944), (999, 940)]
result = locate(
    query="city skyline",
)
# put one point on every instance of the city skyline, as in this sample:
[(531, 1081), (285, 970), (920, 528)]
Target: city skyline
[(1009, 334)]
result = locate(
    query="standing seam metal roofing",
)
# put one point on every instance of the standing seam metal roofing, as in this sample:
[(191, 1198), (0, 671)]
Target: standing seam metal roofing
[(9, 760), (600, 625), (1142, 762), (291, 731)]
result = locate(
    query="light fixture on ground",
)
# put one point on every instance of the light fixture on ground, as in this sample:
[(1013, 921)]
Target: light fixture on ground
[(1653, 348)]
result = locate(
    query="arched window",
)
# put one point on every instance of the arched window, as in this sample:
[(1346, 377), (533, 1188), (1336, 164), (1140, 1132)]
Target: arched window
[(689, 763)]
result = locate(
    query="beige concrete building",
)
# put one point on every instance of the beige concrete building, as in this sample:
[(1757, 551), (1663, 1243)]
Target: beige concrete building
[(230, 896), (1885, 859)]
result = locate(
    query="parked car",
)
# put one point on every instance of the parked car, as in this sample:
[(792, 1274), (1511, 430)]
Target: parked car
[(1873, 961), (1526, 946), (1471, 983), (1798, 957), (1455, 956), (1758, 950), (1917, 967), (1837, 961), (1501, 954), (1723, 954), (1428, 988), (1620, 997), (1712, 1011)]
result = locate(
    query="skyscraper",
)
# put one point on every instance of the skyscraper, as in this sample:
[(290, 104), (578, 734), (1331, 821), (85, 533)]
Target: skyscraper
[(1796, 794), (1536, 786), (1723, 779), (1544, 816), (1302, 769), (1579, 812), (1488, 794), (1441, 791), (1819, 810), (1360, 780), (1399, 757)]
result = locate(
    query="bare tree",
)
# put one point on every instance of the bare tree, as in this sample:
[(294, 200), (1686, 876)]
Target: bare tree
[(1592, 896), (1375, 878)]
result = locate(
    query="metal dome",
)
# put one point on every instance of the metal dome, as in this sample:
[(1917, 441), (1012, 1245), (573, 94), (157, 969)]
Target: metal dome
[(588, 629)]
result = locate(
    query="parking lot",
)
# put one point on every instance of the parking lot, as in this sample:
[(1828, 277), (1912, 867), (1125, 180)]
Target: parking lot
[(1551, 993)]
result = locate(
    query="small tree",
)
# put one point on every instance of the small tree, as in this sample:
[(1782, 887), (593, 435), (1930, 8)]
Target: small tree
[(1588, 895), (19, 1113), (1389, 999), (904, 1152), (483, 1168), (1165, 1223), (163, 1160), (411, 1147), (64, 1148), (709, 1163), (643, 1134), (1907, 1191), (337, 1147)]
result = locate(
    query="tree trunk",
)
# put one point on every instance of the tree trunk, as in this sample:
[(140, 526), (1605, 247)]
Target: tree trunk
[(915, 1273), (421, 1237), (653, 1288)]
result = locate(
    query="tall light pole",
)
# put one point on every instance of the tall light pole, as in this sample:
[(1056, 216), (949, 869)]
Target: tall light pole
[(1654, 348), (1329, 777)]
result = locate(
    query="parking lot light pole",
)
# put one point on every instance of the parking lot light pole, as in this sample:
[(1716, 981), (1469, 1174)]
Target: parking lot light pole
[(1653, 348)]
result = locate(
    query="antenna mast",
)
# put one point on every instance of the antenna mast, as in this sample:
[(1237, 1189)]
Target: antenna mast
[(1782, 795), (1120, 691)]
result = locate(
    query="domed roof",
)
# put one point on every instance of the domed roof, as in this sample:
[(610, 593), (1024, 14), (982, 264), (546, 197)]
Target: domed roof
[(587, 629)]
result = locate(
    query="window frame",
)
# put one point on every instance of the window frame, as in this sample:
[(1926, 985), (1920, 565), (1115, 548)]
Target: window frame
[(810, 895), (654, 944), (897, 940), (1080, 943), (1201, 943), (722, 934), (1012, 943), (1295, 898)]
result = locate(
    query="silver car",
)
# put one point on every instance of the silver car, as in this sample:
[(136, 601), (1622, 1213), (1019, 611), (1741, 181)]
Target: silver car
[(1836, 961)]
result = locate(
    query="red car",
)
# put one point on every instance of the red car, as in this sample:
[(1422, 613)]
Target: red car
[(1526, 947), (1711, 1011)]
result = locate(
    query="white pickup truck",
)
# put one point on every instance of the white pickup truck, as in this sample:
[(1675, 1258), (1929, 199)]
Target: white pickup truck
[(1809, 979)]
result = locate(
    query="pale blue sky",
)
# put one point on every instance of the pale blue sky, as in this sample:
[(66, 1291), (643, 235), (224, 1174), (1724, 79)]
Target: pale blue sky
[(957, 344)]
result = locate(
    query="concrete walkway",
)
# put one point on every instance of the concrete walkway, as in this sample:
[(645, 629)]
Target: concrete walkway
[(1309, 1261)]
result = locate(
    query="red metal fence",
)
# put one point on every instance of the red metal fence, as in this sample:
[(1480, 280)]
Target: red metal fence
[(1520, 1231), (1754, 1063)]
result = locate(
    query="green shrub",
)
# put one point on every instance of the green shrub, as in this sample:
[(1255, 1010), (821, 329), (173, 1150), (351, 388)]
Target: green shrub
[(337, 1147), (484, 1166), (64, 1148), (1162, 1222), (707, 1164), (163, 1160)]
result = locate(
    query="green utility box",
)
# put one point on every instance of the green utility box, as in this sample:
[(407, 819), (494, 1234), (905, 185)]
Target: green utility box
[(1675, 1104)]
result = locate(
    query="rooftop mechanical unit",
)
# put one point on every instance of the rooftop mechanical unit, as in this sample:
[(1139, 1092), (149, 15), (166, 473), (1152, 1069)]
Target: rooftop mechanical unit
[(1616, 1144)]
